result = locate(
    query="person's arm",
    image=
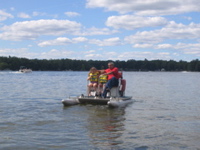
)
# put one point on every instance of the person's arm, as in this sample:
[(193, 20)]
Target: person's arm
[(89, 76), (111, 72), (102, 71), (114, 71)]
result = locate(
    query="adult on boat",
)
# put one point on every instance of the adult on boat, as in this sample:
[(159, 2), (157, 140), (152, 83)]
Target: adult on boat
[(113, 77)]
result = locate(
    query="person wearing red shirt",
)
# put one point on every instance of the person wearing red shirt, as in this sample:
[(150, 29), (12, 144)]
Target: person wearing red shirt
[(113, 77)]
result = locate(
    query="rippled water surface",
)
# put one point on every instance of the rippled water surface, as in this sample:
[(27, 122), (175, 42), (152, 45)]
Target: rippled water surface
[(165, 113)]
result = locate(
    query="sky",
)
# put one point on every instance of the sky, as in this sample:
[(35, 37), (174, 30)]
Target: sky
[(100, 29)]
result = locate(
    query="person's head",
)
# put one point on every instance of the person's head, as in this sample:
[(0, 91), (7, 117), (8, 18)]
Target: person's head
[(93, 69), (111, 65)]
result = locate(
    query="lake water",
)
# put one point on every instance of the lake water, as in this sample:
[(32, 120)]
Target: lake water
[(165, 114)]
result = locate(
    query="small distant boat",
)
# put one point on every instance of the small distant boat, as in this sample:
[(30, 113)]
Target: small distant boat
[(115, 98), (24, 70)]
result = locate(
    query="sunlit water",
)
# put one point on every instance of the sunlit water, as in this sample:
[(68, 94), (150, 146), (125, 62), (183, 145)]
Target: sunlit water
[(165, 114)]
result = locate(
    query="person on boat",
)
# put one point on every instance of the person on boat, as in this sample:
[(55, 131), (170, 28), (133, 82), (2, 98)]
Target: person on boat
[(93, 76), (113, 77), (102, 83)]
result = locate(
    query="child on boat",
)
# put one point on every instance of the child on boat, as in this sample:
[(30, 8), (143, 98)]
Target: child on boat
[(93, 76), (102, 83)]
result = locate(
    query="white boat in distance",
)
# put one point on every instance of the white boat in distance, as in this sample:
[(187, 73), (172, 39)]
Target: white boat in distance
[(24, 70)]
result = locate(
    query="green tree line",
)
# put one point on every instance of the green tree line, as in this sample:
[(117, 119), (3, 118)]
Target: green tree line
[(14, 63)]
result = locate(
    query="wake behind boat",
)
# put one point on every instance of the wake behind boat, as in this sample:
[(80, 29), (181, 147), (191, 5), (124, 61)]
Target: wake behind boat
[(115, 97)]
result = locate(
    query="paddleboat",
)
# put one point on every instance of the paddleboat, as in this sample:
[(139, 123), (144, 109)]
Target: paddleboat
[(115, 97)]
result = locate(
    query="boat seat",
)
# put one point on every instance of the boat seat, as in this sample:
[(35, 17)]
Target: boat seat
[(114, 92), (118, 91)]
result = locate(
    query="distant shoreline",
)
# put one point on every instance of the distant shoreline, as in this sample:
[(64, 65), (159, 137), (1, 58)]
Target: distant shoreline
[(14, 63)]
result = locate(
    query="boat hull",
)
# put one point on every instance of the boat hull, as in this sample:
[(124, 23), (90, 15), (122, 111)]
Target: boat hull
[(70, 102), (93, 100), (119, 103), (111, 102), (25, 70)]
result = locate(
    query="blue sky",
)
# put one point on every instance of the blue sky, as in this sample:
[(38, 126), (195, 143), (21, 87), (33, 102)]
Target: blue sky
[(100, 29)]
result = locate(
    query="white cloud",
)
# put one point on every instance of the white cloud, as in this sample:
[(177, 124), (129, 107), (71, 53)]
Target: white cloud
[(12, 8), (131, 22), (97, 31), (92, 56), (106, 42), (164, 46), (191, 48), (4, 15), (65, 41), (79, 39), (72, 14), (14, 52), (29, 30), (90, 51), (51, 54), (56, 54), (36, 13), (142, 45), (139, 55), (147, 7), (58, 41), (62, 41), (184, 48), (23, 15), (43, 14), (171, 31)]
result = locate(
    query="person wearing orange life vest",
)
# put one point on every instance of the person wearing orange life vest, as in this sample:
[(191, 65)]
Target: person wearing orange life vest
[(113, 77), (93, 76)]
